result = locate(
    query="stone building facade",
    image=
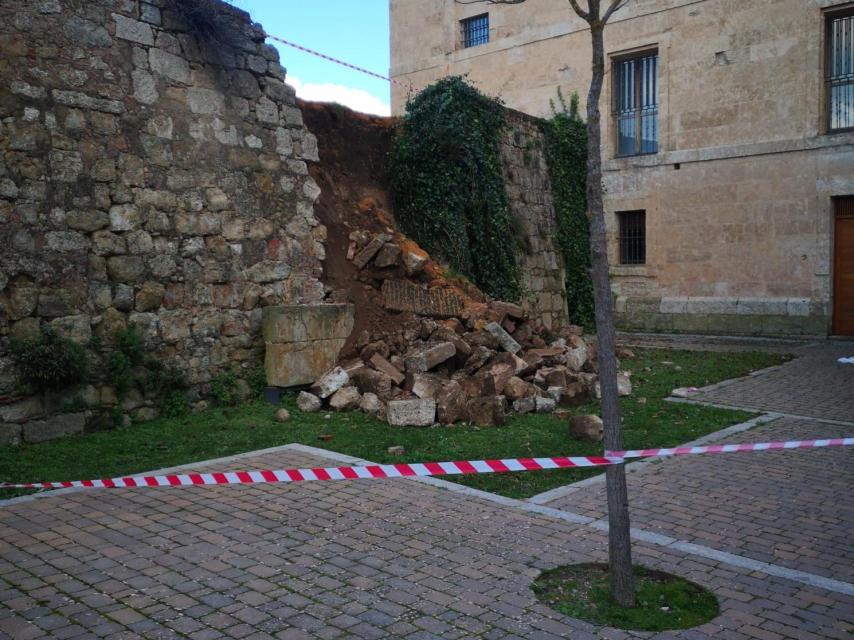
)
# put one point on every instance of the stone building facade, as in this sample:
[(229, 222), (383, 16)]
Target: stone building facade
[(738, 205), (152, 174)]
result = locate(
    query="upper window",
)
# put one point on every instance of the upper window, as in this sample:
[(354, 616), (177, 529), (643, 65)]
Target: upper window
[(840, 71), (475, 31), (636, 104)]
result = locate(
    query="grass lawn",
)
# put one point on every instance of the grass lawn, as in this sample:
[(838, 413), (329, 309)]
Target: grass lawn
[(648, 420)]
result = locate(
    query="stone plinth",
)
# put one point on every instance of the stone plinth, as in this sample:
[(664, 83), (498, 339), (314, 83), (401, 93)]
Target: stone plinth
[(303, 341)]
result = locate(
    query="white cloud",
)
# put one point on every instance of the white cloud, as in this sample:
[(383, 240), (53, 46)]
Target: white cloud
[(356, 99)]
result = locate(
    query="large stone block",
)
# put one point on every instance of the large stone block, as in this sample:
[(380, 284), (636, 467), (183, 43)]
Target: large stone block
[(304, 341), (54, 427), (412, 413)]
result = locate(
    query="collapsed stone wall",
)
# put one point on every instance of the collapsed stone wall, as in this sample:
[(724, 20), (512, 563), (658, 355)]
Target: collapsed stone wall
[(529, 190), (151, 175)]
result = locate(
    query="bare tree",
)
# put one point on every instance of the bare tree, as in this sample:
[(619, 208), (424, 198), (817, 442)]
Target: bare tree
[(619, 539)]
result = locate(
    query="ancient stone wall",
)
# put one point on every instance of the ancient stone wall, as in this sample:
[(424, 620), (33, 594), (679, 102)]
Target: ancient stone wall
[(152, 174), (526, 175)]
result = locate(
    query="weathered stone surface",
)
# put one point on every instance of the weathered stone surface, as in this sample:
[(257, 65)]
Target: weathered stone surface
[(414, 413), (371, 404), (303, 341), (525, 405), (302, 323), (330, 382), (345, 399), (87, 32), (133, 30), (54, 427), (486, 412), (87, 220), (402, 295), (414, 260), (586, 428), (516, 389), (308, 402), (169, 65), (381, 364), (389, 256), (22, 410), (425, 385), (430, 357), (150, 296), (576, 356), (396, 450), (76, 328), (371, 381), (10, 434), (545, 405), (367, 254), (451, 403), (624, 385), (504, 339), (128, 269)]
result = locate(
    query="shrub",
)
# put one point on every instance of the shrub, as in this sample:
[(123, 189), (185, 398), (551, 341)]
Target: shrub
[(50, 361), (448, 185)]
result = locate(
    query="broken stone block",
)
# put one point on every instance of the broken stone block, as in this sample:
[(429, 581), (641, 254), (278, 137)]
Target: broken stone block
[(508, 309), (430, 357), (525, 405), (424, 385), (282, 415), (500, 372), (402, 295), (396, 451), (624, 385), (554, 393), (486, 412), (516, 389), (372, 381), (330, 382), (479, 357), (308, 402), (586, 428), (381, 364), (345, 399), (412, 413), (371, 404), (389, 256), (504, 339), (450, 403), (574, 394), (577, 356), (54, 427), (367, 254), (545, 405), (414, 260)]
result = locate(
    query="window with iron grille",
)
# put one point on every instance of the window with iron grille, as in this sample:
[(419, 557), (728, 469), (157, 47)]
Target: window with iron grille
[(636, 104), (632, 229), (475, 31), (840, 70)]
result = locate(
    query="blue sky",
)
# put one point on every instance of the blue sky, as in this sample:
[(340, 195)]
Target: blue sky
[(353, 30)]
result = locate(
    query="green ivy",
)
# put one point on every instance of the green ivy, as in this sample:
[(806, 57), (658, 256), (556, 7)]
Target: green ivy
[(566, 151), (448, 186)]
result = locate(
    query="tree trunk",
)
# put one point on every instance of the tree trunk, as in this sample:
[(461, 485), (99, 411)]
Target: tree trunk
[(619, 539)]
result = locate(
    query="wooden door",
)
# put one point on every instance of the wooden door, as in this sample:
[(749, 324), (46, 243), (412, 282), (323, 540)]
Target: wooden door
[(843, 267)]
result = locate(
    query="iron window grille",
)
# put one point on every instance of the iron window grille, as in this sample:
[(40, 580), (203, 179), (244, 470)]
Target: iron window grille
[(636, 104), (475, 30), (840, 71), (632, 230)]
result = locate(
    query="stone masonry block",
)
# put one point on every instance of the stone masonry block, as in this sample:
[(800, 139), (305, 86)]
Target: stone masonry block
[(54, 427)]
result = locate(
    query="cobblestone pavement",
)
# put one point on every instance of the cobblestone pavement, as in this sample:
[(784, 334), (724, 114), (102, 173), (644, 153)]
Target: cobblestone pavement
[(366, 559), (814, 384), (791, 508)]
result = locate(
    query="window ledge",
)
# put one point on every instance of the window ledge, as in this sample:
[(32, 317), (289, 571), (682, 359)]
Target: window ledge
[(632, 270)]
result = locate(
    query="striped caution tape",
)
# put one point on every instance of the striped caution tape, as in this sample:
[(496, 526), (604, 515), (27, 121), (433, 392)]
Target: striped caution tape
[(732, 448), (336, 60), (418, 469)]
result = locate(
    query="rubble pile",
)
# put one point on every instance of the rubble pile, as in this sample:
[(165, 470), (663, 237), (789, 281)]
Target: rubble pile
[(455, 356)]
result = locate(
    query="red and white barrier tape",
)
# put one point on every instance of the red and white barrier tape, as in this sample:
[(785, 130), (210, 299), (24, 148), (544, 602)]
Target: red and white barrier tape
[(418, 469), (463, 467), (336, 60), (732, 448)]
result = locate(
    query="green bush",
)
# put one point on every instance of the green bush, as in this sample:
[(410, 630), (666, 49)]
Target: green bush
[(223, 388), (448, 186), (566, 150), (50, 361)]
